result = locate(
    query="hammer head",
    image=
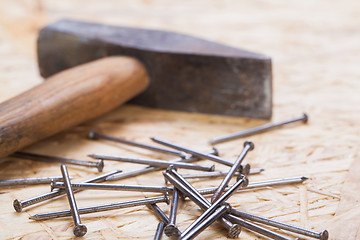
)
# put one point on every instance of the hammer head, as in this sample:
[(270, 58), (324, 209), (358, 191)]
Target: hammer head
[(187, 73)]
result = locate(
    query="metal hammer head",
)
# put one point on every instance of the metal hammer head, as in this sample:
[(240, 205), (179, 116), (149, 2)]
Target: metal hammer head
[(187, 73)]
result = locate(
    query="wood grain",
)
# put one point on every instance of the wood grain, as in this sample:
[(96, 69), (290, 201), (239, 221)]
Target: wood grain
[(315, 50), (67, 99)]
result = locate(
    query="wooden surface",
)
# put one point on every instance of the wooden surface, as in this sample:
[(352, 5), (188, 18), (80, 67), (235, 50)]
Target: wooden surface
[(316, 54), (58, 103)]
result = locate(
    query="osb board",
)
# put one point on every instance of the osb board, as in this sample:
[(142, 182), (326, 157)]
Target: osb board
[(315, 50)]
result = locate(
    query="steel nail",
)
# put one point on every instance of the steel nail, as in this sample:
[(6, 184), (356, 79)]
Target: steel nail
[(219, 212), (188, 190), (102, 208), (137, 172), (256, 229), (170, 228), (158, 212), (248, 146), (259, 129), (194, 152), (79, 228), (28, 181), (218, 174), (216, 204), (99, 165), (245, 169), (93, 134), (117, 187), (268, 183), (159, 231), (152, 162), (19, 205), (319, 235)]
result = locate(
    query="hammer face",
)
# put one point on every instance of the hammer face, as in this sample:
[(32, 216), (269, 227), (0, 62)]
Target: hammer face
[(187, 73)]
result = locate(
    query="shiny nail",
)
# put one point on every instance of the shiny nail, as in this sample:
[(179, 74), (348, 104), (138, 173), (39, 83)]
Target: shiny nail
[(319, 235), (19, 205), (99, 165), (152, 162), (93, 134), (218, 174), (216, 204), (117, 187), (28, 181), (194, 152), (268, 183), (79, 228), (259, 129), (102, 208), (140, 171), (188, 190), (219, 212), (248, 146), (159, 231), (171, 229)]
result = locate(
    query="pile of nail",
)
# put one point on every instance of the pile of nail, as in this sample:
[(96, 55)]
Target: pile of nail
[(215, 209)]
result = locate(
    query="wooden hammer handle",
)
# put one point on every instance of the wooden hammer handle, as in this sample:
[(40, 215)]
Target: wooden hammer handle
[(68, 99)]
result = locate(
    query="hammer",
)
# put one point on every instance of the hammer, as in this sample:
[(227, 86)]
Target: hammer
[(109, 65)]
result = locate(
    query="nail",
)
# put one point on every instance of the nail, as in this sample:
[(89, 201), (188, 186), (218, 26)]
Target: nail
[(245, 169), (117, 187), (171, 229), (319, 235), (79, 229), (194, 152), (188, 190), (218, 174), (152, 162), (159, 231), (248, 146), (259, 129), (257, 229), (19, 205), (158, 212), (216, 204), (138, 172), (28, 181), (102, 208), (233, 229), (268, 183), (44, 158), (219, 212), (93, 134)]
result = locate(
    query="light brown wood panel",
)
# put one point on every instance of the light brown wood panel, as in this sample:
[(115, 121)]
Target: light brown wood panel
[(315, 50)]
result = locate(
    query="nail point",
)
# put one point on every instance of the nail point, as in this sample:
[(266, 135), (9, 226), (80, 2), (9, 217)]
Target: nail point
[(304, 178)]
